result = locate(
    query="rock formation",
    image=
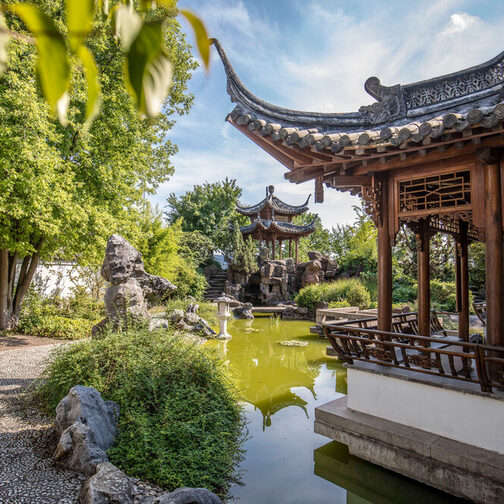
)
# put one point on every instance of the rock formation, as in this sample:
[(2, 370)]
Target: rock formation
[(108, 485), (132, 290), (281, 280), (87, 426), (186, 495), (243, 312)]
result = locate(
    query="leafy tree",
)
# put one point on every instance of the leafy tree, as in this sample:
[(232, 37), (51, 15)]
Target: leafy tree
[(199, 247), (63, 191), (477, 273), (148, 66), (209, 208), (357, 245), (319, 240), (163, 255), (244, 254)]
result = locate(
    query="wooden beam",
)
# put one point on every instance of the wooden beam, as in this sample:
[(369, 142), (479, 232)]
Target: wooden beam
[(350, 180), (423, 254), (462, 281), (493, 249), (384, 260)]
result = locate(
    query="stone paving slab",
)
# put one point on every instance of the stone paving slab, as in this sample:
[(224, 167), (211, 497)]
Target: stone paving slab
[(27, 472)]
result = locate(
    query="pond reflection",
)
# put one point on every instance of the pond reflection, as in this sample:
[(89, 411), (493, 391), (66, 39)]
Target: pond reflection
[(281, 386), (369, 483), (269, 371)]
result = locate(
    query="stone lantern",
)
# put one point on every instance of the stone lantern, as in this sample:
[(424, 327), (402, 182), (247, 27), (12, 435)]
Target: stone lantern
[(223, 314)]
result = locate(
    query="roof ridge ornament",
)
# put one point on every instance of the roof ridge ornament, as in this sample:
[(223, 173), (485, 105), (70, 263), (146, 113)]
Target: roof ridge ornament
[(390, 103)]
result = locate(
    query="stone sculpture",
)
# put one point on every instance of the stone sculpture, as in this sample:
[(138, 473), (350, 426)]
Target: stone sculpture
[(132, 290)]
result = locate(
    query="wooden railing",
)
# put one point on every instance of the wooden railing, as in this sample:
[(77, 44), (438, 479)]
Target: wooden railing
[(439, 356), (405, 323)]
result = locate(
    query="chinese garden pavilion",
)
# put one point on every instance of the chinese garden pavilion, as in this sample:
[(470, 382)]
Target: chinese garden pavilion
[(271, 221), (427, 155)]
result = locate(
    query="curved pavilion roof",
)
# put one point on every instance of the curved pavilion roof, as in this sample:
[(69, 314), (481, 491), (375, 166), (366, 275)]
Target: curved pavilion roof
[(286, 229), (279, 206), (453, 114)]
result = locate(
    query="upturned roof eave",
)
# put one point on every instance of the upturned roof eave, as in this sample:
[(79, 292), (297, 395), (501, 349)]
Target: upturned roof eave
[(457, 92)]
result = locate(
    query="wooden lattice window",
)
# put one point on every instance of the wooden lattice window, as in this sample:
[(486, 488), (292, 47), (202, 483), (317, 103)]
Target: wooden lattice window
[(446, 190)]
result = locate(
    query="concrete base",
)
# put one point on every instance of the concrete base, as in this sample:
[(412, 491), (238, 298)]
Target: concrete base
[(454, 467)]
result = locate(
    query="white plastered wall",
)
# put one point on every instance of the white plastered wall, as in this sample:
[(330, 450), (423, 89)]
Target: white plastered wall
[(470, 418)]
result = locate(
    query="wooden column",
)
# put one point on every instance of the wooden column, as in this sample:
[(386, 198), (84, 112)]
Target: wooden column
[(280, 249), (296, 252), (491, 159), (384, 261), (462, 277), (274, 249), (423, 253), (290, 247)]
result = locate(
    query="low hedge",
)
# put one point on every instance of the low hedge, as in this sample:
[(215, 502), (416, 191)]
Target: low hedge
[(55, 326), (346, 291), (180, 424)]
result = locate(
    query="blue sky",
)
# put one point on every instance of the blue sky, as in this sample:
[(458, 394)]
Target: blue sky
[(316, 55)]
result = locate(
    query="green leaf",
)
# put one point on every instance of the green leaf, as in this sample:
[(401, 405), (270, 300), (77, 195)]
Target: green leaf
[(93, 84), (200, 32), (4, 42), (79, 20), (148, 69), (127, 24), (53, 68)]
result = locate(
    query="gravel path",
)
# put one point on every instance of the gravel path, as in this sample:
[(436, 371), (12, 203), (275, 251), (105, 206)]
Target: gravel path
[(27, 472)]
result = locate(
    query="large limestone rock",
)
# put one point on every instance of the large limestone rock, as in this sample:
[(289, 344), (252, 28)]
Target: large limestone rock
[(132, 289), (88, 426), (85, 405), (77, 449), (108, 485), (244, 311), (187, 496)]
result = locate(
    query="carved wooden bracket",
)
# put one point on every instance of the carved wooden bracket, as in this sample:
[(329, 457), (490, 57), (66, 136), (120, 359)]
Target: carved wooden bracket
[(319, 190), (373, 202)]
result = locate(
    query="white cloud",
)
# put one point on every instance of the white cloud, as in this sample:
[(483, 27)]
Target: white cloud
[(459, 22)]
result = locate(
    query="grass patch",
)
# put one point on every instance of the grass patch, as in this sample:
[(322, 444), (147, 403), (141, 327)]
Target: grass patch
[(180, 424)]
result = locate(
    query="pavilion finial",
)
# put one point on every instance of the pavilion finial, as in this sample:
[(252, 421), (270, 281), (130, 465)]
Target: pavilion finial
[(271, 189)]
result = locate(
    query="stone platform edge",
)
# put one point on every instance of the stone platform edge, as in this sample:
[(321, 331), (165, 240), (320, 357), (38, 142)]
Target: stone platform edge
[(451, 466)]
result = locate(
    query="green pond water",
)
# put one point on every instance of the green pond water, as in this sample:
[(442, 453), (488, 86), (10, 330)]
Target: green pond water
[(285, 461)]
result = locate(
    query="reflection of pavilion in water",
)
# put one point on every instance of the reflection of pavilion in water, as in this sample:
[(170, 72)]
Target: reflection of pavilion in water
[(368, 483), (268, 372)]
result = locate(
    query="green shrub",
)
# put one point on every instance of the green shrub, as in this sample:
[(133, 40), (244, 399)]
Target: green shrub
[(404, 289), (349, 290), (61, 318), (55, 326), (180, 423), (339, 304)]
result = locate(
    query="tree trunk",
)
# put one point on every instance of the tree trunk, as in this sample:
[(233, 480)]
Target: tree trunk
[(4, 286), (12, 292)]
